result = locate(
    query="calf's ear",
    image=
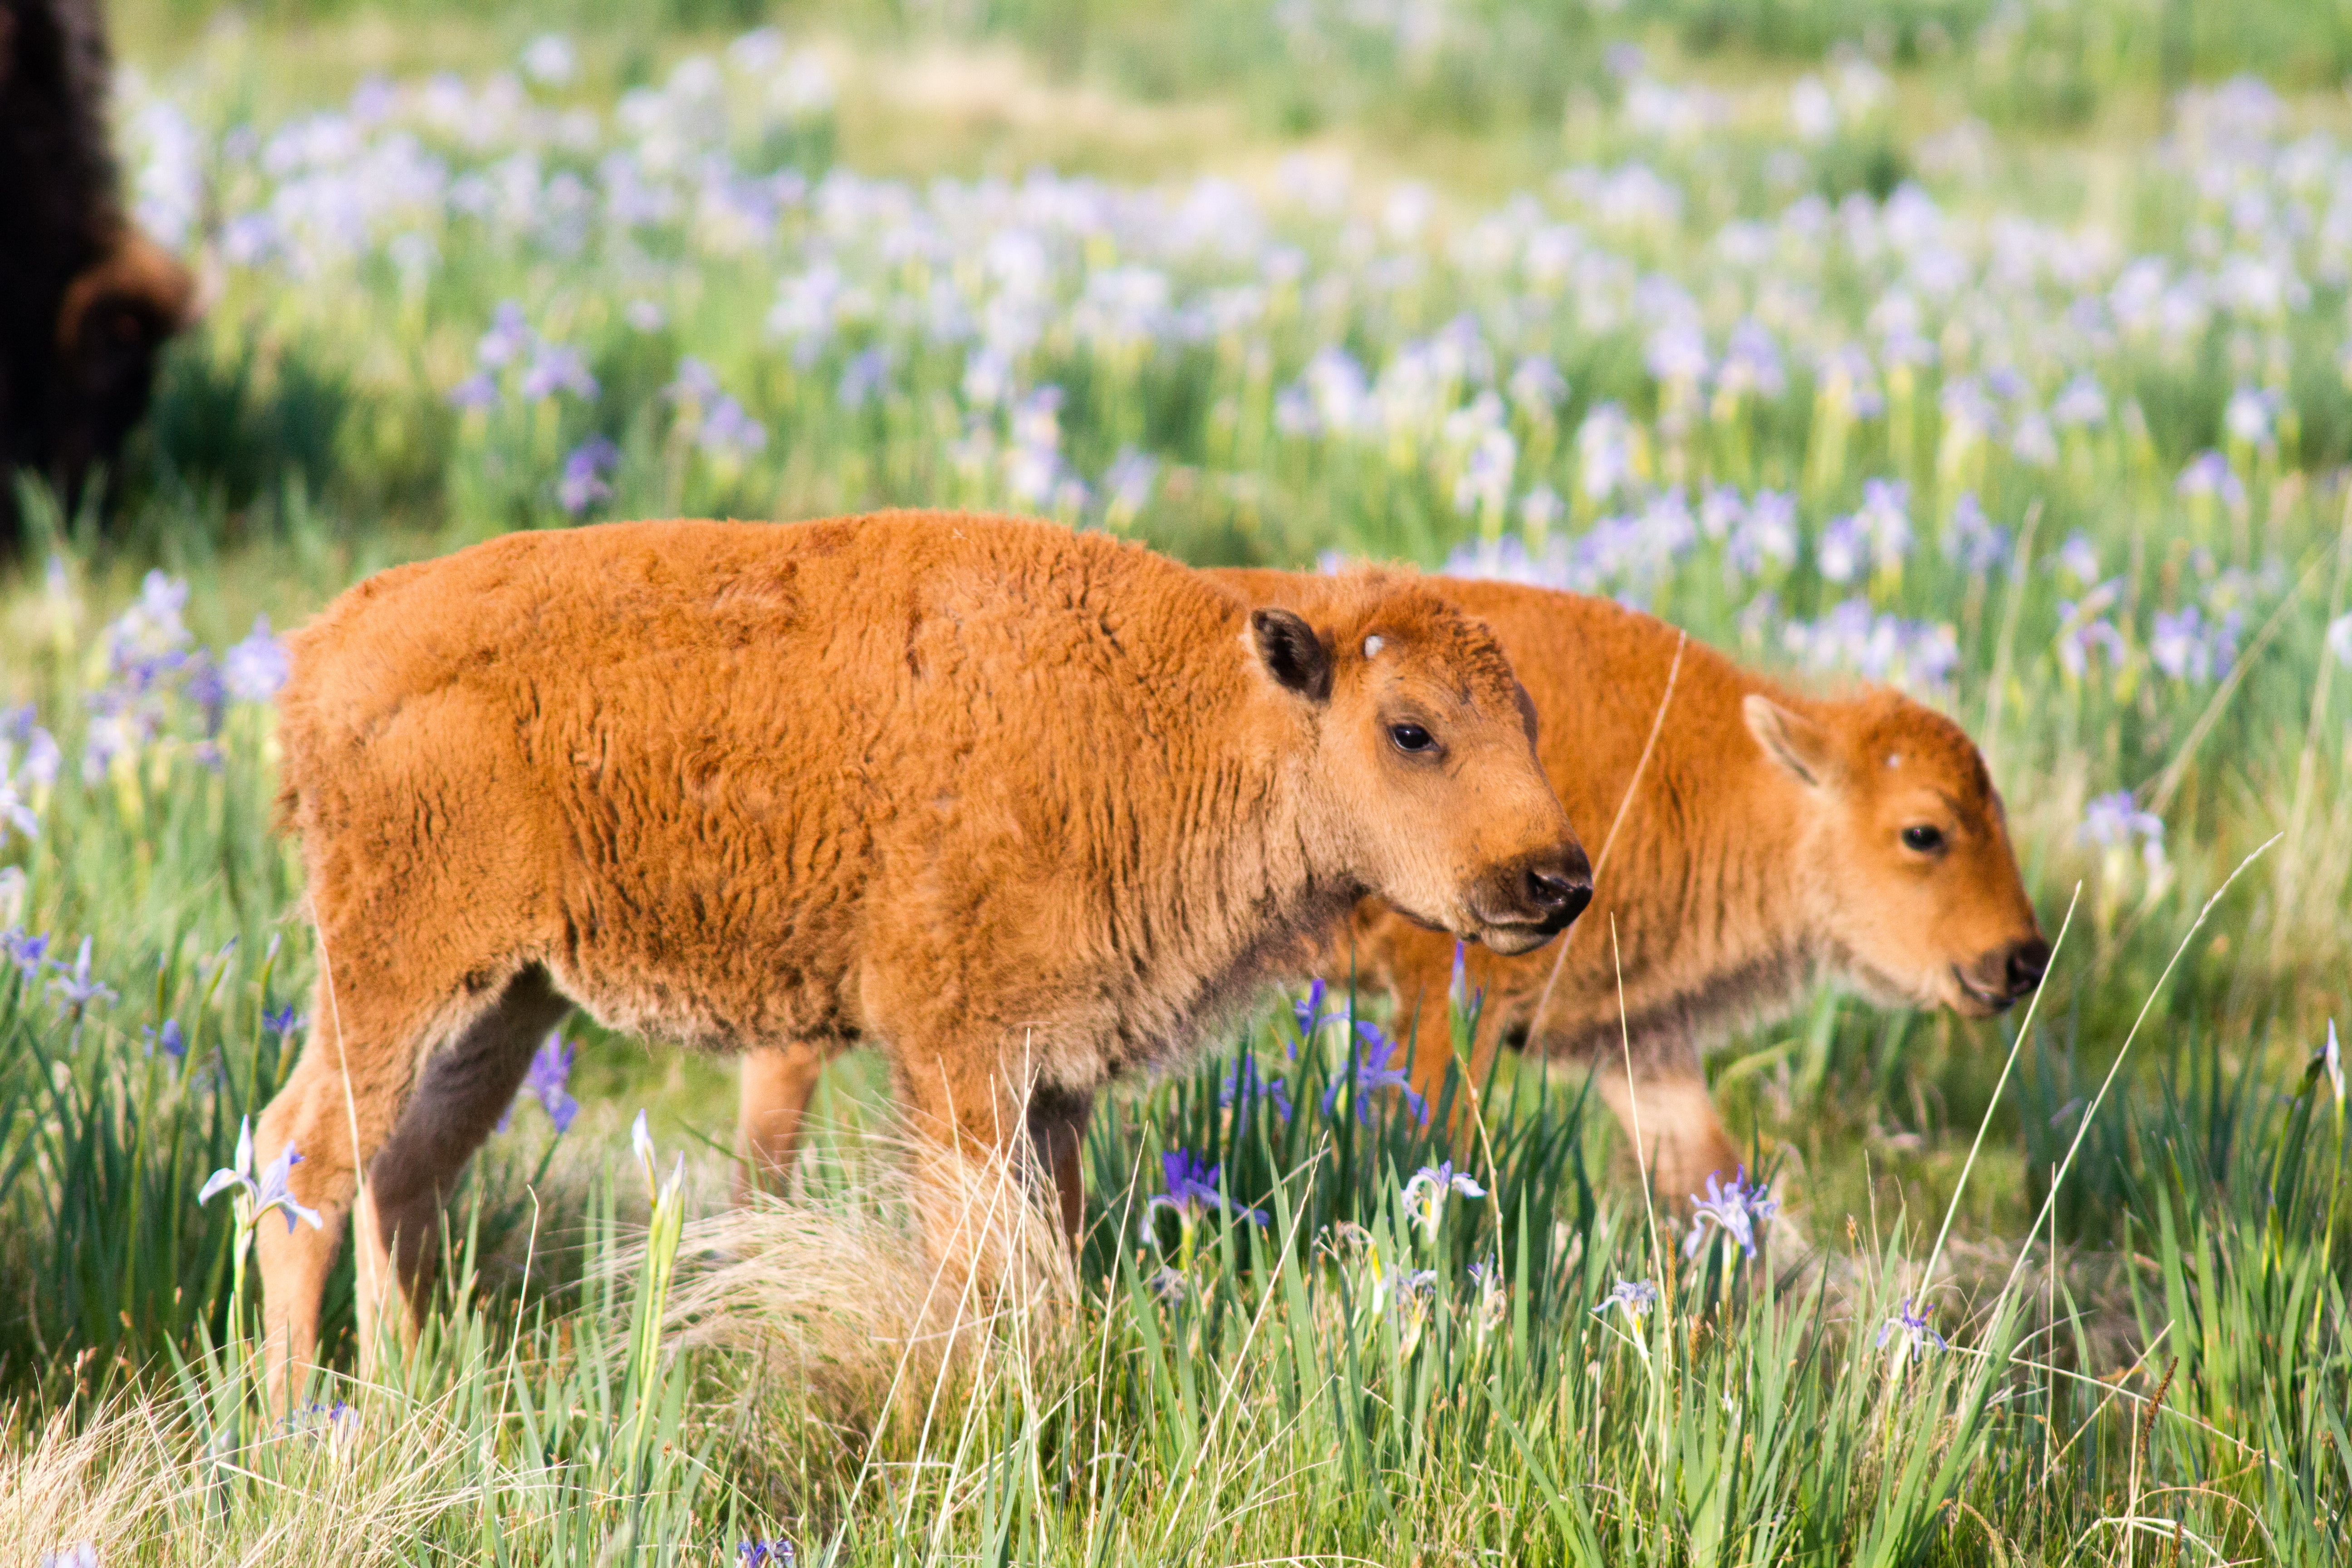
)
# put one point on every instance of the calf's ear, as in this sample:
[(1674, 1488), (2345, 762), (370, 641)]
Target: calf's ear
[(1791, 739), (1292, 653)]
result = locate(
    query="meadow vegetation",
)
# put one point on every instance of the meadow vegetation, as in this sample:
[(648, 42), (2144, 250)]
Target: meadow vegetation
[(2003, 352)]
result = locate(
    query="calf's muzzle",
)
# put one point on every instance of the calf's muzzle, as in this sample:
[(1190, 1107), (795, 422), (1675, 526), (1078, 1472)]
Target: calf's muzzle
[(2024, 966), (1537, 895), (2004, 975)]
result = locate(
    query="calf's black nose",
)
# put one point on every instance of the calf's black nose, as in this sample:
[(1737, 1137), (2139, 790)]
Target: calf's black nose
[(1557, 886), (1552, 889), (2027, 962)]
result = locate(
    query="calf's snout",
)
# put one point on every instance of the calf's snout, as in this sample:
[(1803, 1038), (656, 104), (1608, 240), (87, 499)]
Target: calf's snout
[(1535, 896), (1561, 889), (2024, 966)]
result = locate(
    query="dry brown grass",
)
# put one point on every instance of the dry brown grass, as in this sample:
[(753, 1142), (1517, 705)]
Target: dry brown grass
[(839, 1299)]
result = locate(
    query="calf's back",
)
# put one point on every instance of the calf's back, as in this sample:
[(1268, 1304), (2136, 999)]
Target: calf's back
[(645, 752)]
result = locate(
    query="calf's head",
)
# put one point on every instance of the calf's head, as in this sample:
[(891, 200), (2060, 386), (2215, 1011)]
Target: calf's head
[(1908, 849), (1422, 767)]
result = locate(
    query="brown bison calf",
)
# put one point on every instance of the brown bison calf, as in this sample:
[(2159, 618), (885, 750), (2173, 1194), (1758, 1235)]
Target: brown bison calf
[(1028, 809), (1772, 839), (86, 300)]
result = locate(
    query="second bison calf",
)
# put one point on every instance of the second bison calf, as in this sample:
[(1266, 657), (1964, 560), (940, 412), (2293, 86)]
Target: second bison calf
[(1027, 808)]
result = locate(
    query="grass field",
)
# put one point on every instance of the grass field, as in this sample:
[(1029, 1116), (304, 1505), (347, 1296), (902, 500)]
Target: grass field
[(2003, 353)]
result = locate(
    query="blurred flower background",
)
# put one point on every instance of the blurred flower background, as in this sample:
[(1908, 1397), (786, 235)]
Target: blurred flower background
[(2001, 351)]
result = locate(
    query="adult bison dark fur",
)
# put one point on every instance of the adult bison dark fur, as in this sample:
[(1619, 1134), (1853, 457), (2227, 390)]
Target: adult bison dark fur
[(86, 299)]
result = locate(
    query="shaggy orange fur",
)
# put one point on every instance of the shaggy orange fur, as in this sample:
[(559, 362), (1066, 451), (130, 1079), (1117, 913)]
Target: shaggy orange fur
[(1764, 846), (1030, 809)]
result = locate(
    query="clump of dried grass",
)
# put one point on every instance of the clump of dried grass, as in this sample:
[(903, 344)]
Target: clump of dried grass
[(92, 1480), (134, 1483), (865, 1318)]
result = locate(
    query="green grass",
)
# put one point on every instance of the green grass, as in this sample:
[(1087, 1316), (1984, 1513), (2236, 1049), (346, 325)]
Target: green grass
[(2143, 1284), (1492, 66)]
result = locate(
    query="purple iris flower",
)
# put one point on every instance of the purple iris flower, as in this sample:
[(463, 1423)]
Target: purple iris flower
[(582, 483), (1369, 1072), (75, 986), (201, 684), (1128, 480), (1912, 1330), (1246, 1085), (1310, 1010), (558, 367), (1188, 1183), (14, 812), (866, 378), (1464, 998), (551, 1069), (1632, 1297), (1736, 1210), (28, 951), (508, 339), (267, 1192), (2208, 474), (2115, 819), (335, 1422), (254, 669), (728, 432), (1426, 1191), (479, 390), (1192, 1192)]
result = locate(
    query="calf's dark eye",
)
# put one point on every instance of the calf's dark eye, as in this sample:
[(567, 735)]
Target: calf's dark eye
[(1925, 840), (1411, 738)]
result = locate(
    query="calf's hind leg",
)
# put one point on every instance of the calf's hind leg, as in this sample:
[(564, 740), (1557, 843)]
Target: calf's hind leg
[(1058, 1136), (336, 1110), (464, 1089), (344, 1104)]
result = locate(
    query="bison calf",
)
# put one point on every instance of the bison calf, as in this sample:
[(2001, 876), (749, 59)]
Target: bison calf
[(1029, 809), (1771, 839)]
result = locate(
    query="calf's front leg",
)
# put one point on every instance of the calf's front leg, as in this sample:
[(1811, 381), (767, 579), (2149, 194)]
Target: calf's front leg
[(775, 1087)]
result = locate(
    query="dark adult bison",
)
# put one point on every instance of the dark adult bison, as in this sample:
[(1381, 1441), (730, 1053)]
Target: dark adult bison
[(86, 299)]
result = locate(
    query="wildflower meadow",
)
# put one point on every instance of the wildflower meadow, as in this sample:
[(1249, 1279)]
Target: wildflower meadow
[(1998, 352)]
